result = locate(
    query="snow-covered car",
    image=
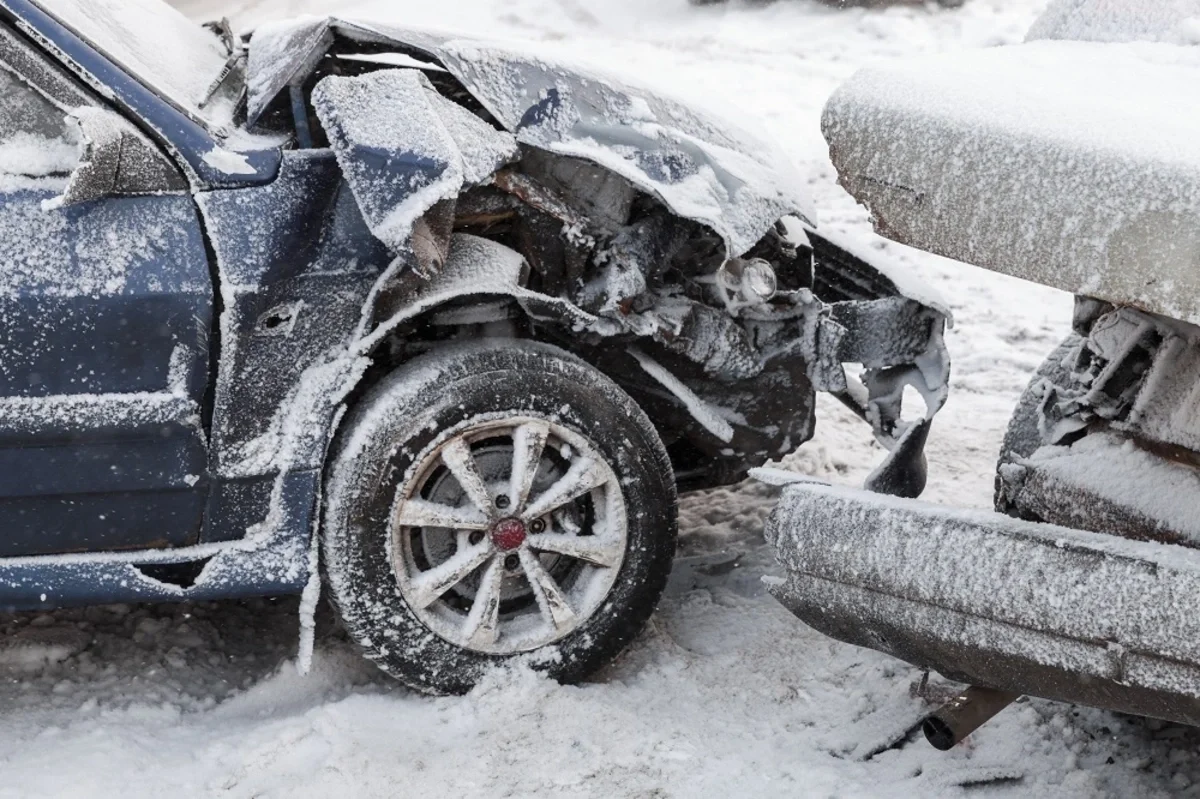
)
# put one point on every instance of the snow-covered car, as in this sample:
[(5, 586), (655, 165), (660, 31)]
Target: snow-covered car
[(444, 322), (1072, 160)]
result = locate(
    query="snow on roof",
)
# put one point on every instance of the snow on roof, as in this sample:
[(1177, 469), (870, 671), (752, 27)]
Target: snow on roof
[(1169, 21), (172, 55)]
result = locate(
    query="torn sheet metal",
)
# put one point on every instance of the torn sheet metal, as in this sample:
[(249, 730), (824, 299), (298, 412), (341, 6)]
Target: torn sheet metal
[(282, 52), (478, 267), (703, 169), (404, 148), (286, 51)]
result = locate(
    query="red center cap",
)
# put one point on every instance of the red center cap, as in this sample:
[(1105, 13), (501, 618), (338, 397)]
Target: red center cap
[(508, 534)]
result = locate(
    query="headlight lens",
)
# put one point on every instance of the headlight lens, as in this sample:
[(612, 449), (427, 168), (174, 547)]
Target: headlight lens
[(752, 281), (758, 280)]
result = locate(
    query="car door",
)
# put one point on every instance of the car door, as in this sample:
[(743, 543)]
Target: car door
[(105, 319)]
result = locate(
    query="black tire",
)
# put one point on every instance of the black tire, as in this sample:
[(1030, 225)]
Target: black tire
[(391, 433), (1023, 438)]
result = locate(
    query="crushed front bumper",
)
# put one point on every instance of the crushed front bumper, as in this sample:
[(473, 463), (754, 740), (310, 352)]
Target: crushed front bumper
[(990, 600)]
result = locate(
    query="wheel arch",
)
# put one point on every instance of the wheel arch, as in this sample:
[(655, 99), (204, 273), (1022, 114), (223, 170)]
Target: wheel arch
[(486, 276)]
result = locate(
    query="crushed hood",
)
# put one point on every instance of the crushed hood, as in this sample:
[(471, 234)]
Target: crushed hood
[(705, 169)]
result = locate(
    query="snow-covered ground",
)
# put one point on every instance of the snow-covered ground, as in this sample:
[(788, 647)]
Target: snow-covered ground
[(725, 694)]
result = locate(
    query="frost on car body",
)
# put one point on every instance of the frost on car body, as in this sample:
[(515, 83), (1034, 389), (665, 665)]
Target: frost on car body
[(306, 216), (1097, 192), (1068, 160)]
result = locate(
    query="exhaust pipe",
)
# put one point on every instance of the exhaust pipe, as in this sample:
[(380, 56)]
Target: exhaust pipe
[(964, 714)]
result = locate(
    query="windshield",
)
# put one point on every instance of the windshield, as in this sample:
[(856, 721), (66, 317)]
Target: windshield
[(155, 43)]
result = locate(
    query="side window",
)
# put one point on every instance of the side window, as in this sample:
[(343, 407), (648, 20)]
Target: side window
[(36, 139)]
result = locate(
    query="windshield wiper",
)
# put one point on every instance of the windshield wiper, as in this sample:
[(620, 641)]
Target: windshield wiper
[(235, 64)]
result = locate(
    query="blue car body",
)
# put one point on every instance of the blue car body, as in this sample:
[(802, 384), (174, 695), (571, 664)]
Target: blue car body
[(107, 480), (175, 359)]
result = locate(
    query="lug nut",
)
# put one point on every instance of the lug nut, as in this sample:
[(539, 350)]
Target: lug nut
[(475, 537), (512, 563), (537, 526), (502, 501)]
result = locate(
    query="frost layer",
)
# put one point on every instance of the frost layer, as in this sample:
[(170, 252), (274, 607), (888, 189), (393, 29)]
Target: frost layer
[(1018, 159)]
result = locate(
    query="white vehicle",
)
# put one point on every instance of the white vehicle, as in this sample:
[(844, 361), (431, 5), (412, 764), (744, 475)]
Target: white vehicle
[(1071, 160)]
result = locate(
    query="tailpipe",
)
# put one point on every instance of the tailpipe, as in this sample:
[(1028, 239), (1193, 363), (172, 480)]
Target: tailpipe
[(964, 714)]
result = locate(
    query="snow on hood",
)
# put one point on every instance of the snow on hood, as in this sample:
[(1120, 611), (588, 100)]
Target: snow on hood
[(1168, 21), (705, 169)]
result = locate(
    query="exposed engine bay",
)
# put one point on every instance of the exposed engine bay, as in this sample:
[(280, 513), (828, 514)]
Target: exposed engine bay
[(653, 244)]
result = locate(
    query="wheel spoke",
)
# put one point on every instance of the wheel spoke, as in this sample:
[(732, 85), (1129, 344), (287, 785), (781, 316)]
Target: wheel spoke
[(428, 586), (418, 512), (482, 626), (584, 475), (553, 604), (457, 456), (528, 442), (593, 549)]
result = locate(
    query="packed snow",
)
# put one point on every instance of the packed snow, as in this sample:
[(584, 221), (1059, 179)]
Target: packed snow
[(726, 694)]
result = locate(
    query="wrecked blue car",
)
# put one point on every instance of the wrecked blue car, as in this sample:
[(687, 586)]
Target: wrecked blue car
[(436, 325)]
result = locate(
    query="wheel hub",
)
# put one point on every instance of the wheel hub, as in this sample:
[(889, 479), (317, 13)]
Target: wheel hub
[(509, 584), (508, 534)]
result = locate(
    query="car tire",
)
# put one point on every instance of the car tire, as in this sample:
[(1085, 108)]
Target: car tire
[(446, 552), (1023, 436)]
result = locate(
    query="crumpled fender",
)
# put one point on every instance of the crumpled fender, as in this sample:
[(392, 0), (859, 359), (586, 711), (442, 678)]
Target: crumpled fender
[(704, 169), (476, 267), (403, 149), (479, 267)]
